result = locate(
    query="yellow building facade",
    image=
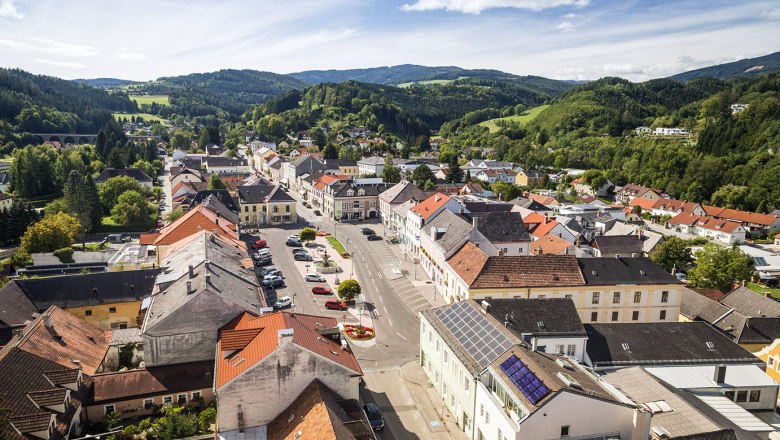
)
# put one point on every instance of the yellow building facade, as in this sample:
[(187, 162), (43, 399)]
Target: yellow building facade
[(771, 357)]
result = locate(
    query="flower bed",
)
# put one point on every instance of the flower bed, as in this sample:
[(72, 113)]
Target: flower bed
[(358, 332)]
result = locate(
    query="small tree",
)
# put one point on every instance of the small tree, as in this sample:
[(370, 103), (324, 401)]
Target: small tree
[(307, 234), (349, 290), (131, 209), (216, 183), (52, 232)]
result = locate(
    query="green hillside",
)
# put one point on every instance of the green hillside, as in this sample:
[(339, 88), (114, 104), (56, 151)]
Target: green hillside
[(751, 67)]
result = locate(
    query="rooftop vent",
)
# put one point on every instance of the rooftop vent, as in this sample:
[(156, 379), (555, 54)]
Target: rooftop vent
[(710, 345), (643, 273), (556, 277), (540, 324), (625, 346)]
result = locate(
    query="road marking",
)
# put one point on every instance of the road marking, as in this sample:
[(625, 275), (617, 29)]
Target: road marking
[(389, 320), (384, 308), (369, 272), (402, 336), (380, 297), (373, 280)]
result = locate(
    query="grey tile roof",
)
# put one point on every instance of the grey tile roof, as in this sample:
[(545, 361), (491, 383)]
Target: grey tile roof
[(224, 291), (451, 230), (334, 164), (611, 271), (502, 227), (751, 303), (532, 205), (15, 307), (218, 161), (661, 343), (618, 244), (373, 160), (558, 316), (307, 164), (477, 207), (401, 192), (340, 189), (89, 289), (200, 249), (254, 194), (222, 195)]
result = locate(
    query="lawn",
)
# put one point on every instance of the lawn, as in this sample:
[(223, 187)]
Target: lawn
[(337, 246), (523, 119), (761, 289), (428, 82), (151, 99), (146, 116), (107, 224)]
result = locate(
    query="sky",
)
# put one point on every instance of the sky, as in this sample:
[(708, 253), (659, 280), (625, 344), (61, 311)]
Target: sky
[(562, 39)]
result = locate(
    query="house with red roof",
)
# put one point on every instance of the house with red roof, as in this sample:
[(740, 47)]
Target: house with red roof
[(723, 231), (673, 207), (631, 191), (749, 220), (420, 214), (265, 362), (198, 219)]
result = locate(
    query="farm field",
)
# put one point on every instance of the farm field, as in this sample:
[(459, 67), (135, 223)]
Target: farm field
[(428, 82), (147, 117), (523, 119), (151, 99)]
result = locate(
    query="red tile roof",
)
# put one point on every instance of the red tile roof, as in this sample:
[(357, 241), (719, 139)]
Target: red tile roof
[(127, 385), (431, 205), (248, 339), (747, 217), (197, 219), (533, 219), (544, 228), (551, 245), (529, 271), (704, 222), (645, 204), (69, 341), (468, 262), (544, 200), (674, 205)]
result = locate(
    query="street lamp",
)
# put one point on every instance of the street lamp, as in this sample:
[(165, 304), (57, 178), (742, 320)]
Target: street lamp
[(352, 260)]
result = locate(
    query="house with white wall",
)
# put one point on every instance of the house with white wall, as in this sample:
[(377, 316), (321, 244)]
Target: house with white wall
[(420, 214)]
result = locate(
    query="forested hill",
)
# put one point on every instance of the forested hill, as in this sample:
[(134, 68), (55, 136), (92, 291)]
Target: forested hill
[(226, 91), (106, 83), (751, 67), (37, 103), (411, 111), (411, 73)]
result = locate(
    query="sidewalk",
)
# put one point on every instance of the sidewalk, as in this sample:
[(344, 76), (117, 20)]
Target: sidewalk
[(412, 407), (417, 276)]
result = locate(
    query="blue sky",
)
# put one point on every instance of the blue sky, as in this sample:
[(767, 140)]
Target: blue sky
[(563, 39)]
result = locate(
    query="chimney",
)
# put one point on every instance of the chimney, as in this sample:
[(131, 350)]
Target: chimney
[(474, 221), (208, 278), (436, 197), (485, 306), (533, 344), (47, 321), (720, 374), (189, 287), (191, 271), (213, 238), (216, 221)]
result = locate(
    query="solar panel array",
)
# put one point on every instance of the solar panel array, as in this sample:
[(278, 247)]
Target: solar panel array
[(525, 379), (483, 341)]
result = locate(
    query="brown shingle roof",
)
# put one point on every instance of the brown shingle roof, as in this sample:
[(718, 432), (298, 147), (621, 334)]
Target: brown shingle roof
[(551, 245), (529, 271), (468, 262), (133, 384), (70, 342)]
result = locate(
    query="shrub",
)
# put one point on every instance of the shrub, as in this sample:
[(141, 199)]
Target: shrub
[(349, 290), (21, 258), (207, 417), (64, 254)]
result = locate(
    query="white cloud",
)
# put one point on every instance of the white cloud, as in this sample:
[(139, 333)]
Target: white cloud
[(772, 14), (8, 9), (130, 56), (566, 26), (570, 15), (51, 47), (477, 6), (65, 64)]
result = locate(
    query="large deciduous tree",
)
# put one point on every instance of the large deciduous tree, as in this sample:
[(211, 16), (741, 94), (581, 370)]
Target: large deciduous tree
[(112, 188), (421, 175), (673, 253), (349, 290), (131, 209), (720, 267), (51, 233)]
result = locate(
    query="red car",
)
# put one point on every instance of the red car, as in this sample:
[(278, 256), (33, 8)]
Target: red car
[(259, 244), (335, 304), (321, 290)]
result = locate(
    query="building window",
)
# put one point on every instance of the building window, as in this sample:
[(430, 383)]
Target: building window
[(594, 316), (664, 296), (755, 395), (565, 431), (741, 396), (771, 361), (108, 409), (568, 295), (148, 403), (571, 350), (246, 208), (181, 398), (112, 310), (167, 400), (614, 316), (616, 298), (254, 208), (596, 297), (195, 395), (635, 315), (118, 325), (481, 410), (87, 312), (286, 208), (541, 297), (487, 418), (466, 384), (637, 297), (276, 209), (446, 357)]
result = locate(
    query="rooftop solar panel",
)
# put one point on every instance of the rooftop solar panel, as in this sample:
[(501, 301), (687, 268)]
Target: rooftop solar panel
[(526, 381), (482, 340)]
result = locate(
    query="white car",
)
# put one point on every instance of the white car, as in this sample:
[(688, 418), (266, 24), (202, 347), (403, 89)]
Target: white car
[(315, 278), (283, 302), (263, 253), (272, 273)]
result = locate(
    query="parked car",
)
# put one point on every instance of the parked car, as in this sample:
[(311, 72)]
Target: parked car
[(159, 223), (264, 271), (307, 205), (259, 244), (314, 277), (317, 212), (263, 252), (367, 231), (294, 243), (335, 304), (322, 233), (373, 237), (264, 261), (375, 418), (273, 272), (321, 290), (294, 237), (273, 282), (283, 302), (299, 251), (302, 257)]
